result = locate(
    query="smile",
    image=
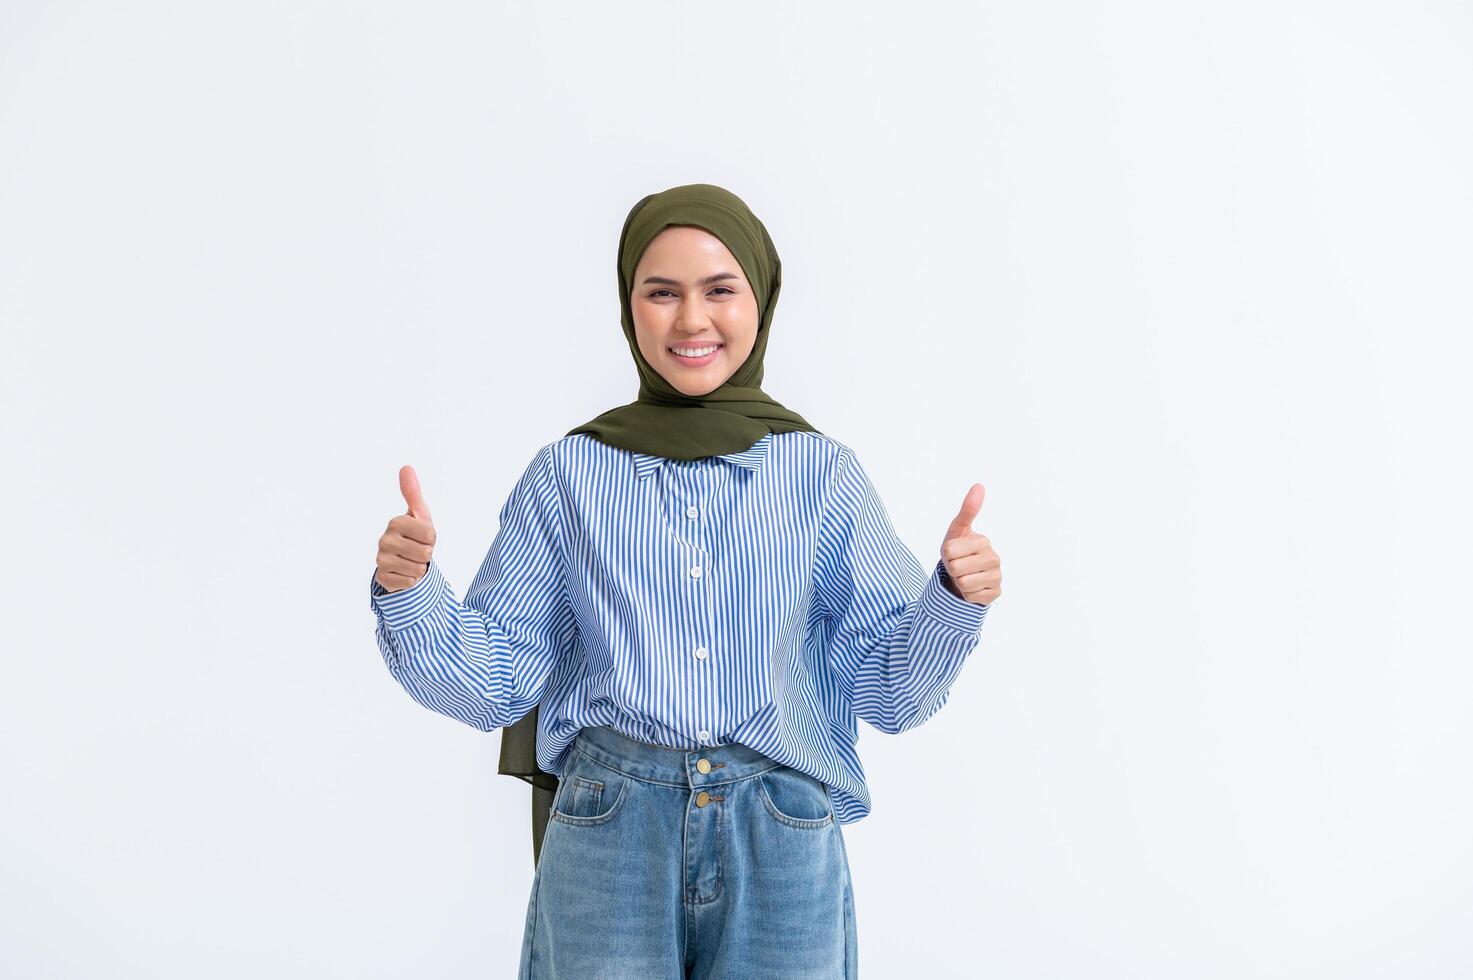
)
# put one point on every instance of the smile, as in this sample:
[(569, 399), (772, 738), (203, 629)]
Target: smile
[(696, 356)]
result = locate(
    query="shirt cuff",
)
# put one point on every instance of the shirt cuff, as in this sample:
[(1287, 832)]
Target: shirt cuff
[(401, 610), (938, 603)]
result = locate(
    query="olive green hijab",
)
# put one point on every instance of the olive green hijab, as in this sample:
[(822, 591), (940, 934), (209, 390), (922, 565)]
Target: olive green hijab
[(662, 420)]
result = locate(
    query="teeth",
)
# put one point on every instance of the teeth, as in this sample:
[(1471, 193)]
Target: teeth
[(694, 351)]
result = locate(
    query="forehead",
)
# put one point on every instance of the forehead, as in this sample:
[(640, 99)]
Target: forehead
[(687, 244)]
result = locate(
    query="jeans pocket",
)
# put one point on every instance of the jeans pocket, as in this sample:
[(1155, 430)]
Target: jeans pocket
[(587, 793), (794, 798)]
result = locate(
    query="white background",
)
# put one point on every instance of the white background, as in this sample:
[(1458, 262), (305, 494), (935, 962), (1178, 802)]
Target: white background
[(1184, 285)]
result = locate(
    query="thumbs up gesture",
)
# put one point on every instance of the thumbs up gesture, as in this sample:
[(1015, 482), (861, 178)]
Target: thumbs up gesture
[(974, 568), (405, 547)]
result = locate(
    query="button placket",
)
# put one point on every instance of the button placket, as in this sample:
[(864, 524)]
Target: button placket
[(704, 480), (686, 496), (690, 489)]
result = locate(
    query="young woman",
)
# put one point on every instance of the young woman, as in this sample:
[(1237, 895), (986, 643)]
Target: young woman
[(689, 601)]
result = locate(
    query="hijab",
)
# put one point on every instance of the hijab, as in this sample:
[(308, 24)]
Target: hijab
[(664, 421)]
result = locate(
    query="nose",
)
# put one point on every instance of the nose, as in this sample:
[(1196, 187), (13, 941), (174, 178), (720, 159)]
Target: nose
[(694, 316)]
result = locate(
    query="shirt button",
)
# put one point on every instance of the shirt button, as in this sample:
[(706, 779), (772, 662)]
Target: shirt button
[(695, 571), (702, 653), (703, 735), (692, 512)]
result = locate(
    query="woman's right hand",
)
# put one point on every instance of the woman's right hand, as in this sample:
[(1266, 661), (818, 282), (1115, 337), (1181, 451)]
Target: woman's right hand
[(405, 547)]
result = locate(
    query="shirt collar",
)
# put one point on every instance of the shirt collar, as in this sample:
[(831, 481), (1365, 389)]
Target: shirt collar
[(750, 458)]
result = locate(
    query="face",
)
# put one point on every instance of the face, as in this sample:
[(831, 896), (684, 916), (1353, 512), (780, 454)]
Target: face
[(690, 294)]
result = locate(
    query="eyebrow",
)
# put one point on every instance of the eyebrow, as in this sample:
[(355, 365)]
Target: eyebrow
[(661, 281)]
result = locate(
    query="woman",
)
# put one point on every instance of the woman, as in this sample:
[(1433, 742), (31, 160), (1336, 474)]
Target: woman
[(689, 601)]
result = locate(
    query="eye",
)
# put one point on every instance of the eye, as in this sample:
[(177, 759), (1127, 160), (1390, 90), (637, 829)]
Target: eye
[(656, 292)]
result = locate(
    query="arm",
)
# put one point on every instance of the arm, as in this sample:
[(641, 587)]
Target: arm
[(485, 661), (898, 639)]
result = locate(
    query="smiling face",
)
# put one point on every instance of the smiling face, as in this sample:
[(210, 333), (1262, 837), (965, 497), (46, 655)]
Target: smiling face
[(690, 294)]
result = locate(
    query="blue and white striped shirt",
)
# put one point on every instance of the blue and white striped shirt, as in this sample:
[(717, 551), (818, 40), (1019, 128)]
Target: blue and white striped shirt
[(759, 597)]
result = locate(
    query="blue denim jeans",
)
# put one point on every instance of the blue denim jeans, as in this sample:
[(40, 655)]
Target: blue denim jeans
[(671, 864)]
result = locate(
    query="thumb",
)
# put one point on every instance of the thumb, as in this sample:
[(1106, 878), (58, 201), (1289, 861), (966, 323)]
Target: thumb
[(961, 524), (409, 487)]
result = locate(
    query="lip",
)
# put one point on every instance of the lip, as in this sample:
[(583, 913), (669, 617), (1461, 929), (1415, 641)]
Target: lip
[(696, 361)]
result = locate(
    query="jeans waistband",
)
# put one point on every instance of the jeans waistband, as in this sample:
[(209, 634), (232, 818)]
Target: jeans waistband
[(663, 764)]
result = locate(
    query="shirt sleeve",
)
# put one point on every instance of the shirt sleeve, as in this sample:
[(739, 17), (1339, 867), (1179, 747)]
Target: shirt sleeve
[(897, 638), (486, 661)]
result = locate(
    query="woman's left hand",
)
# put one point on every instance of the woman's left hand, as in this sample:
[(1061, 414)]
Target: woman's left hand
[(975, 569)]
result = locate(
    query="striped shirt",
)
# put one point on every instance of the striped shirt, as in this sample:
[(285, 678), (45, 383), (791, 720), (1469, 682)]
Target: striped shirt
[(759, 597)]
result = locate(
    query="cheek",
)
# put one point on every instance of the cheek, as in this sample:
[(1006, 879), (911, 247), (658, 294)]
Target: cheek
[(740, 325), (648, 328)]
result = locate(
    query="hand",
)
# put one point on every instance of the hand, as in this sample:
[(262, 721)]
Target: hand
[(974, 568), (404, 549)]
